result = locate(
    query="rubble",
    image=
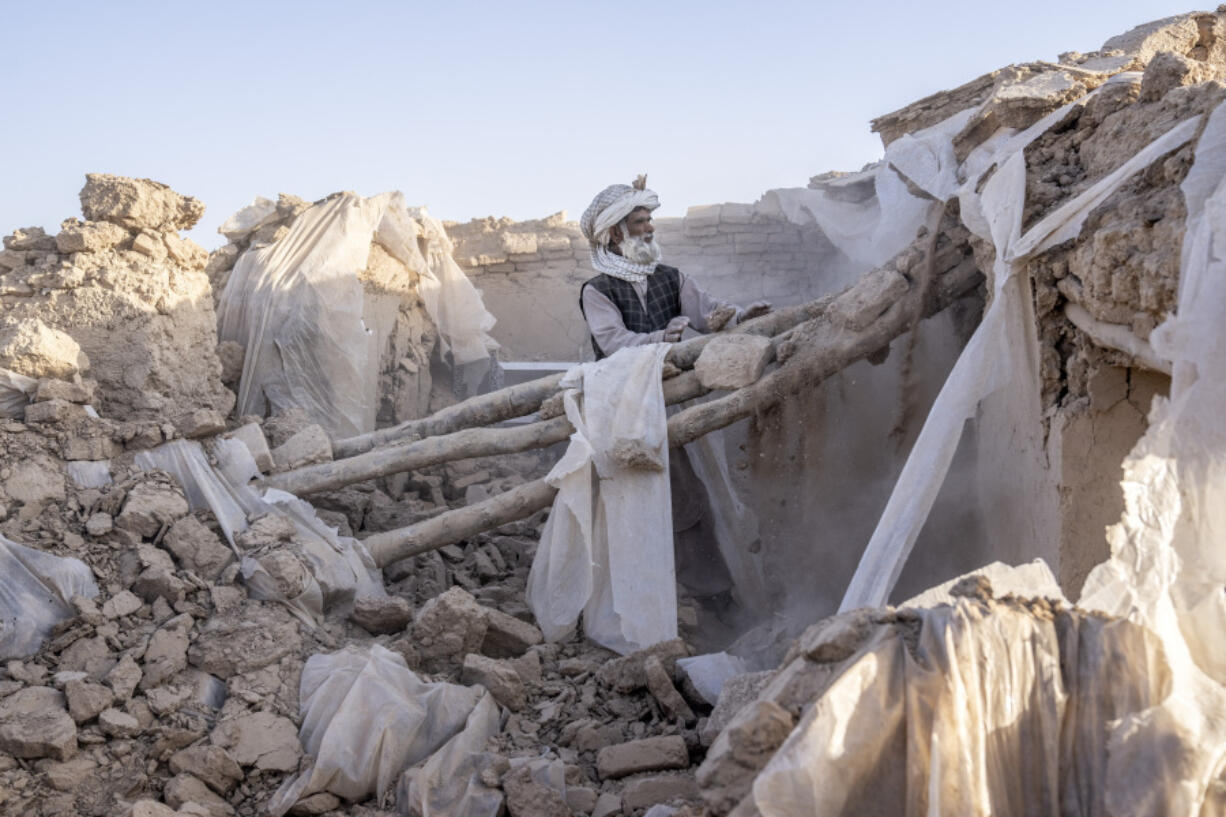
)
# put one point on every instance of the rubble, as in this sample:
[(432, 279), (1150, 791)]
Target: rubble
[(176, 690)]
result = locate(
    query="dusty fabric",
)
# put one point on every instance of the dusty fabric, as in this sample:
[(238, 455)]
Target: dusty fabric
[(612, 516)]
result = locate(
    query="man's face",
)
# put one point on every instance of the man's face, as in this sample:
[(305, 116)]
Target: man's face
[(638, 224)]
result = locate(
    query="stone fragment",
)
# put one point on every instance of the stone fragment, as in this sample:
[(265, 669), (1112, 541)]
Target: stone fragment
[(34, 481), (124, 603), (150, 505), (838, 637), (733, 361), (99, 524), (448, 626), (54, 411), (581, 799), (528, 666), (660, 684), (310, 445), (255, 636), (264, 740), (499, 677), (165, 700), (124, 678), (266, 531), (137, 203), (51, 389), (627, 673), (70, 774), (252, 436), (740, 752), (34, 723), (211, 764), (87, 700), (183, 789), (528, 798), (645, 792), (607, 804), (646, 755), (89, 236), (1169, 70), (318, 803), (117, 724), (738, 692), (166, 654), (185, 252), (35, 349), (151, 808), (381, 616), (197, 548), (29, 238), (507, 636), (201, 422)]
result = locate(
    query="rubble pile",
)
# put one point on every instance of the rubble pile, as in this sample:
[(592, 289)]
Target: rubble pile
[(188, 646)]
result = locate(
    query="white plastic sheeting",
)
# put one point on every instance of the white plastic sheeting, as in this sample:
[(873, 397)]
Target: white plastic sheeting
[(35, 591), (990, 712), (366, 718), (1011, 713), (1004, 349), (341, 568), (607, 549), (15, 391), (298, 308)]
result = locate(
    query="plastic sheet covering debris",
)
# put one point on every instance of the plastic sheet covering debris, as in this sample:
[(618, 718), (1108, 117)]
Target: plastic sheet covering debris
[(613, 515), (1002, 354), (1010, 712), (298, 308), (90, 473), (36, 589), (366, 718), (15, 391), (977, 709), (341, 568)]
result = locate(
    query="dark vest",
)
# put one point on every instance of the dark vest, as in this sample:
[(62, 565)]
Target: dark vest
[(663, 300)]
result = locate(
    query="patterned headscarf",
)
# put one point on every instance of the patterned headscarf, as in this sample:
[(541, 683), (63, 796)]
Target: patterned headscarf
[(609, 208)]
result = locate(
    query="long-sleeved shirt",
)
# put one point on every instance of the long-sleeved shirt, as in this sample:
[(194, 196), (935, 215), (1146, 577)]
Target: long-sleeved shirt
[(605, 322)]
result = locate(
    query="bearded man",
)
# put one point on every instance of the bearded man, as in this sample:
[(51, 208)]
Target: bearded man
[(636, 300)]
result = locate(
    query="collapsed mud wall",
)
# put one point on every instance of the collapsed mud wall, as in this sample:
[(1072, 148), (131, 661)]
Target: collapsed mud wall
[(530, 271), (1096, 300), (120, 300)]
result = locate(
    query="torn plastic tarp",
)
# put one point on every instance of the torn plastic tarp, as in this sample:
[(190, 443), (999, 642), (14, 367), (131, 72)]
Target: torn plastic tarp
[(341, 567), (366, 718), (1003, 350), (988, 709), (15, 391), (299, 309), (36, 589), (607, 549)]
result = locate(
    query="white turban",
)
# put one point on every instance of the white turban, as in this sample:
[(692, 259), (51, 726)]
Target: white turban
[(609, 208)]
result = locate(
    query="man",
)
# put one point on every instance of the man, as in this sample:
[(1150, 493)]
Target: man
[(636, 300)]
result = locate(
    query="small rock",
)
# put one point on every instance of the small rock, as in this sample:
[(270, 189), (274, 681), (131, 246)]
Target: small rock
[(733, 361), (149, 505), (197, 548), (123, 678), (528, 798), (448, 626), (660, 684), (184, 788), (627, 673), (607, 804), (261, 739), (211, 764), (581, 799), (252, 436), (201, 422), (87, 700), (310, 445), (33, 348), (70, 774), (99, 524), (647, 755), (35, 723), (507, 636), (647, 791), (318, 803), (166, 654), (118, 724), (499, 677), (255, 636), (121, 604), (151, 808), (381, 616)]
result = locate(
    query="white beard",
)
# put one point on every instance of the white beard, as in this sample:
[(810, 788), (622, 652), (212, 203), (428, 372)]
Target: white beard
[(637, 250)]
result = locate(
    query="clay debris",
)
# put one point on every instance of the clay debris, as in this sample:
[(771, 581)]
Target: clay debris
[(176, 689)]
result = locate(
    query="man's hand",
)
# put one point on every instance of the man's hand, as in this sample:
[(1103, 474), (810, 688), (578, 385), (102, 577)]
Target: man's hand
[(755, 310), (672, 332)]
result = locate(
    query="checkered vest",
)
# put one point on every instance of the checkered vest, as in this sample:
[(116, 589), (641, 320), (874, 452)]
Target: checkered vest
[(663, 300)]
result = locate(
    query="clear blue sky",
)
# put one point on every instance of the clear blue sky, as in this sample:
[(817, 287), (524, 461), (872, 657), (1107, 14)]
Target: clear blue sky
[(494, 108)]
